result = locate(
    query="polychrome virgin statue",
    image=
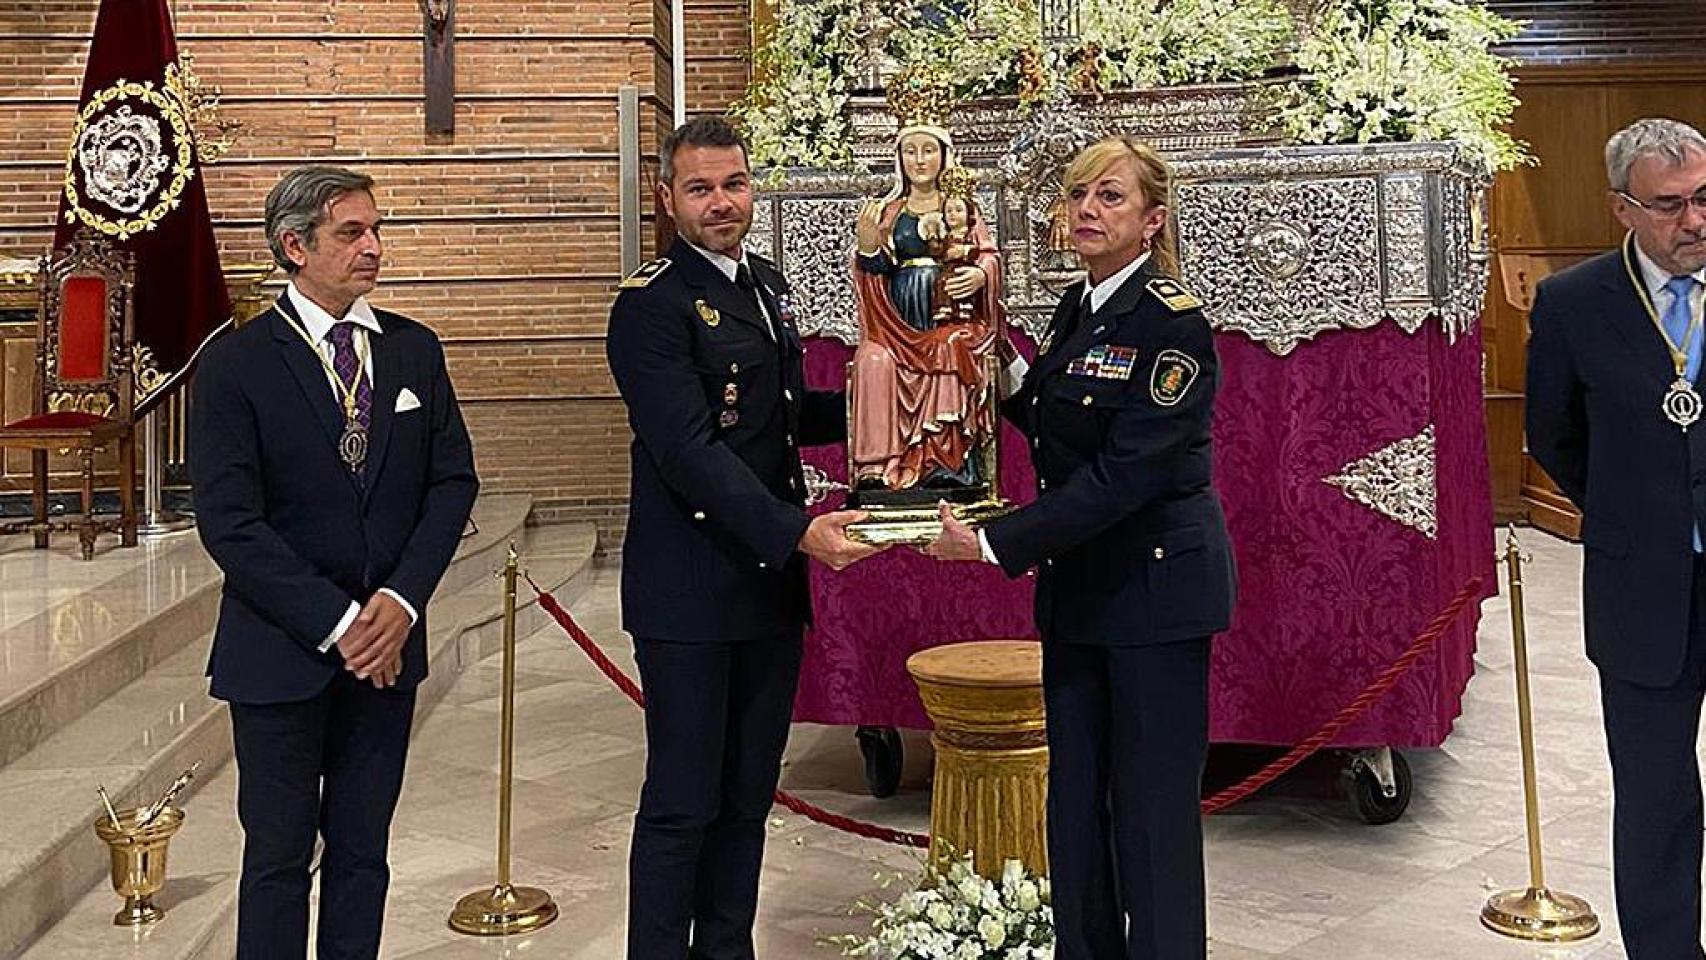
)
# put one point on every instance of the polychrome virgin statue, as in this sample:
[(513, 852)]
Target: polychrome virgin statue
[(927, 280)]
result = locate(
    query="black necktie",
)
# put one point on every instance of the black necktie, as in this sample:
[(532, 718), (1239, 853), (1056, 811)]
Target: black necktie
[(744, 280)]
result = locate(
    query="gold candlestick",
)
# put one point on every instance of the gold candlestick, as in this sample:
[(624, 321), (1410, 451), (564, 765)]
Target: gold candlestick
[(504, 909), (1533, 913)]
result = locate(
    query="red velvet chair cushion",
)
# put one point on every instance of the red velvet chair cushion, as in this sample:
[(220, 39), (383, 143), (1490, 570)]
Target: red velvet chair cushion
[(62, 420), (83, 330)]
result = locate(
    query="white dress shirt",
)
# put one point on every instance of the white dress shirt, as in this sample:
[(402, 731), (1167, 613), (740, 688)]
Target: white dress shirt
[(318, 324), (1656, 277)]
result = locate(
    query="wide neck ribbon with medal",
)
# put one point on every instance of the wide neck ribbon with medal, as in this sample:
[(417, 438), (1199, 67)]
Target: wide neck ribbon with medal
[(1682, 404), (352, 444)]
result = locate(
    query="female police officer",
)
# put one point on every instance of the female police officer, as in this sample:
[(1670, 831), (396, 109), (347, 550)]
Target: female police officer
[(1134, 570)]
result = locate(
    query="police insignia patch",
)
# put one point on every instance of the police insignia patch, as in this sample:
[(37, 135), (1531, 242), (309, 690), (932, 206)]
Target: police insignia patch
[(1177, 298), (1173, 375), (707, 313), (647, 272)]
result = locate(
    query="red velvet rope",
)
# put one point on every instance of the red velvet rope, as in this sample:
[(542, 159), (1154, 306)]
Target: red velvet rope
[(1387, 679), (1376, 689)]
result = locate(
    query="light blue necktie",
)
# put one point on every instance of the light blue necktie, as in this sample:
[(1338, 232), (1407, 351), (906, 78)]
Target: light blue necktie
[(1677, 320)]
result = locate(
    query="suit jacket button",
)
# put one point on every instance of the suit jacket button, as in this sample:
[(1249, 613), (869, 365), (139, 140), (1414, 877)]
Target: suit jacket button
[(763, 566), (698, 514), (788, 395), (734, 368), (1088, 399), (1033, 401), (1160, 554)]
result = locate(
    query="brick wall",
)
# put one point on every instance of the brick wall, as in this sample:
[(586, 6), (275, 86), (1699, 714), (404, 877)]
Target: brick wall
[(504, 240), (1605, 31)]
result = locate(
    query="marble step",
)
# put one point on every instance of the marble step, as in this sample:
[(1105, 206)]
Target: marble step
[(103, 625), (135, 737), (201, 894), (131, 609)]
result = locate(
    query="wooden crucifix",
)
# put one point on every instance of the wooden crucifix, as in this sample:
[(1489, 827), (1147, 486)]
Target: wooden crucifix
[(438, 69)]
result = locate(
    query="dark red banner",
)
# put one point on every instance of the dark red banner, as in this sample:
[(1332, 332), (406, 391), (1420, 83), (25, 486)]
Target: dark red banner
[(133, 175)]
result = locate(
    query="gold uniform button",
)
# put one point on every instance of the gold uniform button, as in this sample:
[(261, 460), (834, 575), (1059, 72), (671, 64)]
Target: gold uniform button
[(763, 566), (1088, 399), (698, 514), (1160, 554), (734, 368), (788, 395)]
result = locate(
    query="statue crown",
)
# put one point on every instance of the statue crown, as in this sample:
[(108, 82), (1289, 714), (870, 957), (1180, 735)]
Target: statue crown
[(921, 96), (957, 181)]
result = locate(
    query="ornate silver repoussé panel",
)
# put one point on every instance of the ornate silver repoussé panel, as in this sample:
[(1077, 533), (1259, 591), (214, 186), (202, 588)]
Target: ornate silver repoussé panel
[(1282, 243)]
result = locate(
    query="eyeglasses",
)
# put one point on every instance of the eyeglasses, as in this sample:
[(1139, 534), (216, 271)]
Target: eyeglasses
[(1669, 208)]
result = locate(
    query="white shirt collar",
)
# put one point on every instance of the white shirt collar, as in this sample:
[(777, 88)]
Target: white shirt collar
[(318, 322), (1656, 277), (722, 261), (1102, 292)]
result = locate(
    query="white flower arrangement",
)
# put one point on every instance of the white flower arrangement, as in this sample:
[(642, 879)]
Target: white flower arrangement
[(1372, 70), (1399, 70), (1164, 43), (956, 914)]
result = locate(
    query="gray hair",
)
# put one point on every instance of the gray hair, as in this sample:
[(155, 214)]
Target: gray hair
[(705, 130), (1653, 136), (297, 204)]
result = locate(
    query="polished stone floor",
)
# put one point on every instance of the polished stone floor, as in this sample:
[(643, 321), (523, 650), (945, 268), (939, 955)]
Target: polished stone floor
[(1292, 874)]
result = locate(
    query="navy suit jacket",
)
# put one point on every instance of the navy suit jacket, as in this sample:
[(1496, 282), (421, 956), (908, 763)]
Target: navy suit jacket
[(1126, 532), (298, 538), (1597, 372), (719, 411)]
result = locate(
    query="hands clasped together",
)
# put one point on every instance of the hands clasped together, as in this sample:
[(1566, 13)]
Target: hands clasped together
[(372, 647)]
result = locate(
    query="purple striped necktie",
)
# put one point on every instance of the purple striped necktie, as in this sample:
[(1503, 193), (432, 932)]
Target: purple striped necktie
[(346, 362)]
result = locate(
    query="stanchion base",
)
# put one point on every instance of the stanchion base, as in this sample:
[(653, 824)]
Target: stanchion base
[(502, 910), (161, 523), (1537, 913)]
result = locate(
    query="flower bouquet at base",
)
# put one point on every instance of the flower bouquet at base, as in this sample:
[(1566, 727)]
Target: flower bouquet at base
[(956, 914)]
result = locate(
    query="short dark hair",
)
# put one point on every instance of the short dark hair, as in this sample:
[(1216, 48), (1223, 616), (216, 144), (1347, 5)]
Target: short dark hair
[(706, 130)]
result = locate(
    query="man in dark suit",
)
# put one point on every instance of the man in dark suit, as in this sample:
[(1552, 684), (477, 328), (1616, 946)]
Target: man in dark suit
[(705, 351), (1613, 402), (333, 478)]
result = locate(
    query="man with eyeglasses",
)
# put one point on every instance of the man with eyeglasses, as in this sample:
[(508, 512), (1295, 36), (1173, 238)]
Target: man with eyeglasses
[(1614, 410)]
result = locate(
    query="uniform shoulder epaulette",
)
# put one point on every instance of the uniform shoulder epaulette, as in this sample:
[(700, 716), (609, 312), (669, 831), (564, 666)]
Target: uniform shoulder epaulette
[(1176, 297), (647, 272)]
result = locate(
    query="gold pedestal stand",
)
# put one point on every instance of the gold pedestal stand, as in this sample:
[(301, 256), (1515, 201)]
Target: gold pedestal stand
[(503, 908), (991, 786), (1534, 913), (138, 860)]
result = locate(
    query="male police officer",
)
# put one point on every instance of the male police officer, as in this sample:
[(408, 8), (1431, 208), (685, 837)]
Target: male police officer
[(705, 352)]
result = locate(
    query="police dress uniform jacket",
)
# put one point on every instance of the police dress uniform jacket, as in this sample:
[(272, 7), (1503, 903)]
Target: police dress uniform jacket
[(1127, 535), (1597, 372), (719, 410)]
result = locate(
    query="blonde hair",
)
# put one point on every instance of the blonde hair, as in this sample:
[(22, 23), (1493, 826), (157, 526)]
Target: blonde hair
[(1154, 179)]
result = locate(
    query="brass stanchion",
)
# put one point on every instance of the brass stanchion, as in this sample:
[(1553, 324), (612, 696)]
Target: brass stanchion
[(505, 909), (1534, 913)]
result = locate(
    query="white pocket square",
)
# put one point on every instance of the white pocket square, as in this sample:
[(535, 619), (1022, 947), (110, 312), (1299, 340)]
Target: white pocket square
[(406, 401)]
